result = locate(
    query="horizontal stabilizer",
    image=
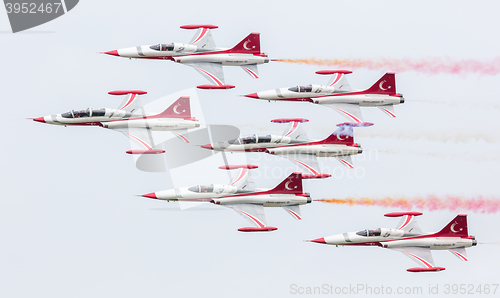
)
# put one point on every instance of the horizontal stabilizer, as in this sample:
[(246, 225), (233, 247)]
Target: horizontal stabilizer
[(294, 211), (459, 253), (252, 70), (388, 109), (346, 160)]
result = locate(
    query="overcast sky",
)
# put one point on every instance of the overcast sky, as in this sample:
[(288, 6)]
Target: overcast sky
[(72, 227)]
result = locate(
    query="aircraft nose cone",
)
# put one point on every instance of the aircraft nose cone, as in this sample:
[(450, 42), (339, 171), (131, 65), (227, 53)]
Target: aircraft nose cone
[(319, 240), (252, 95), (114, 53), (207, 146), (150, 195), (39, 119)]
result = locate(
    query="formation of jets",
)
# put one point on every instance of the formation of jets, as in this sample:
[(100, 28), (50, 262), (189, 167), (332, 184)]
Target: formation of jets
[(241, 194)]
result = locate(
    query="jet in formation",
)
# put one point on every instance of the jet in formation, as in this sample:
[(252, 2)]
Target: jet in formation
[(131, 120), (339, 96), (297, 147), (242, 196), (202, 54), (409, 239)]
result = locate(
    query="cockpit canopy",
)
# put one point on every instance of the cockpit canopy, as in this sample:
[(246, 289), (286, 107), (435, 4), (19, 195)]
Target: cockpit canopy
[(163, 47), (307, 88), (202, 188), (369, 233), (254, 139), (84, 113)]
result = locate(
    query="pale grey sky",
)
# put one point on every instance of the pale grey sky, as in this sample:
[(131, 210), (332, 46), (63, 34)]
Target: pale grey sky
[(69, 220)]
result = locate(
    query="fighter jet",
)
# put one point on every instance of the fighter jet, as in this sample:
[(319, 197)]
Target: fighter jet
[(339, 96), (202, 54), (297, 147), (409, 239), (242, 196), (131, 120)]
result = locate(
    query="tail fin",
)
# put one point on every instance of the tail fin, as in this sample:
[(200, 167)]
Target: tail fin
[(291, 185), (249, 44), (456, 228), (345, 133), (385, 85), (181, 108)]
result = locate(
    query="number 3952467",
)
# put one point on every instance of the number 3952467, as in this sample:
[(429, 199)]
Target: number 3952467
[(32, 7)]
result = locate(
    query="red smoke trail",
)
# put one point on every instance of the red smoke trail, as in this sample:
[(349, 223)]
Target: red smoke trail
[(477, 204), (430, 65)]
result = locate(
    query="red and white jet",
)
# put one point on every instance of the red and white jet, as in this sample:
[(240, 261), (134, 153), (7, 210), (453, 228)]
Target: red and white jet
[(202, 54), (339, 96), (409, 239), (131, 120), (297, 147), (242, 196)]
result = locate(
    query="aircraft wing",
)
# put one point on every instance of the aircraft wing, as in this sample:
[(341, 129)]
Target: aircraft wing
[(252, 70), (141, 136), (210, 70), (409, 224), (294, 211), (295, 131), (252, 212), (459, 253), (339, 82), (307, 162), (243, 180), (388, 109), (421, 255), (349, 110), (203, 39)]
